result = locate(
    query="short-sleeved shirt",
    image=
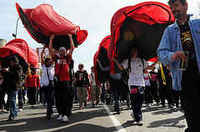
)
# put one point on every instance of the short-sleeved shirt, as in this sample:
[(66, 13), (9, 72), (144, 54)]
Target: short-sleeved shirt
[(62, 67), (136, 75), (32, 81), (82, 78), (47, 74)]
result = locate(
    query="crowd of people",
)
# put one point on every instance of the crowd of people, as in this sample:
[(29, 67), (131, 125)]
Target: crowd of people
[(49, 86), (136, 81)]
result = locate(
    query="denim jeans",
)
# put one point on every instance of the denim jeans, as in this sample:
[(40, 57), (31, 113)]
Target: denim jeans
[(20, 98), (12, 103)]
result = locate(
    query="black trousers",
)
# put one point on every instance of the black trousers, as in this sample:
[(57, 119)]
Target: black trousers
[(115, 87), (166, 94), (177, 98), (49, 97), (64, 98), (136, 104), (32, 95), (191, 98), (155, 91), (148, 95), (2, 95)]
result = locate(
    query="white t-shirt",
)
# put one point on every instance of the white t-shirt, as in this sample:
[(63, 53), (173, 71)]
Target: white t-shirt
[(44, 81), (92, 79), (146, 79), (136, 76)]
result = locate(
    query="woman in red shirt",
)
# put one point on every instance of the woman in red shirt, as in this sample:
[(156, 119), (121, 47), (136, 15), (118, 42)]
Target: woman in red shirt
[(63, 89)]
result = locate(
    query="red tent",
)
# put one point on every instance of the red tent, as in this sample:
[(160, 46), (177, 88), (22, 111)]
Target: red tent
[(21, 48), (42, 21), (103, 56), (148, 21)]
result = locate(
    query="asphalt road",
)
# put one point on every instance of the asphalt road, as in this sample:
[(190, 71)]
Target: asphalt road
[(99, 119)]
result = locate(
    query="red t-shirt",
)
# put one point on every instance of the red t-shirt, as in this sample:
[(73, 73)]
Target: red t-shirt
[(32, 81), (62, 67)]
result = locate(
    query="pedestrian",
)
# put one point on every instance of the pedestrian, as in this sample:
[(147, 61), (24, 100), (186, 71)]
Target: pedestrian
[(165, 85), (115, 81), (82, 84), (63, 89), (148, 97), (47, 82), (2, 92), (154, 86), (105, 69), (32, 84), (12, 81), (136, 67), (95, 90), (179, 48)]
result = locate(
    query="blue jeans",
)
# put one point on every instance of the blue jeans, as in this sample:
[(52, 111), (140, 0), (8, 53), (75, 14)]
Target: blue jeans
[(20, 98), (12, 103)]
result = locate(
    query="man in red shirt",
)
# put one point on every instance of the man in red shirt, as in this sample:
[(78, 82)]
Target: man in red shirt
[(32, 84), (63, 89)]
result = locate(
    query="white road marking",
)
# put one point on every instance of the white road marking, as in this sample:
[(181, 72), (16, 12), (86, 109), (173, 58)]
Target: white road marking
[(115, 122)]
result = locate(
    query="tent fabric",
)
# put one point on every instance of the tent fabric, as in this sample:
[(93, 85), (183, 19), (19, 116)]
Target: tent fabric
[(147, 21), (21, 48), (146, 12), (50, 22), (42, 21), (103, 55)]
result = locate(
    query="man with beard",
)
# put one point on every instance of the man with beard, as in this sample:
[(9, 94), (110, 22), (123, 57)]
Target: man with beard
[(179, 46)]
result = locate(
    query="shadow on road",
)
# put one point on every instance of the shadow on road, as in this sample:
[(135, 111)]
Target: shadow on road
[(171, 122), (36, 121)]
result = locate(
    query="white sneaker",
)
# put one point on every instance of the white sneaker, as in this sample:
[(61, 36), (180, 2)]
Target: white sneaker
[(65, 119), (139, 123), (20, 110), (60, 117)]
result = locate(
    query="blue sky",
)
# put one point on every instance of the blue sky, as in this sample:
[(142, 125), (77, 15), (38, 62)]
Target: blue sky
[(93, 15)]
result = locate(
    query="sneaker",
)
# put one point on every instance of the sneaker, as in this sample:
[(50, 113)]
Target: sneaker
[(20, 110), (85, 104), (65, 119), (60, 117), (118, 112), (139, 123), (11, 118)]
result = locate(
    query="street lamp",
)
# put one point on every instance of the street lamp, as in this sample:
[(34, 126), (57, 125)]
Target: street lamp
[(15, 34)]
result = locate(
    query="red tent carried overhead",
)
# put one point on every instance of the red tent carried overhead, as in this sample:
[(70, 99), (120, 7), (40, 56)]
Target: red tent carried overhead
[(103, 56), (21, 48), (43, 21), (147, 21)]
